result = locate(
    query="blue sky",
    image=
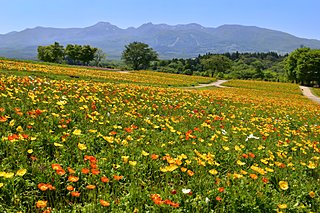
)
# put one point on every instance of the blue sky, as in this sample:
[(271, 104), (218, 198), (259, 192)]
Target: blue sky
[(297, 17)]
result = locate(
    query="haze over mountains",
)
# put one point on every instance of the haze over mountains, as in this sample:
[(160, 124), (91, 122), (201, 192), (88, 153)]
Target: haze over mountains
[(179, 41)]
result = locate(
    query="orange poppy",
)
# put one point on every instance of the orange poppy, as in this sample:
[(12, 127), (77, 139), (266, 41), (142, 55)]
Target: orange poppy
[(71, 171), (251, 155), (91, 187), (60, 172), (104, 203), (221, 189), (265, 180), (190, 173), (93, 166), (95, 171), (70, 188), (253, 176), (113, 133), (72, 178), (85, 171), (104, 179), (41, 203), (244, 155), (33, 158), (218, 198), (90, 158), (75, 194), (48, 210), (3, 119), (116, 177), (51, 187), (56, 166), (43, 186), (154, 156)]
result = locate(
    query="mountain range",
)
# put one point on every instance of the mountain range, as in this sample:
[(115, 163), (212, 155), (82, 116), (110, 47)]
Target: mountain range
[(179, 41)]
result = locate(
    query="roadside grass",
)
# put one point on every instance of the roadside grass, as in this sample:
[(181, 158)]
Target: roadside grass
[(316, 91)]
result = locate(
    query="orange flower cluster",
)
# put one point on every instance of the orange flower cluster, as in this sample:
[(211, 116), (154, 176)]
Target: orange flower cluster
[(93, 165), (156, 198), (46, 186), (59, 170)]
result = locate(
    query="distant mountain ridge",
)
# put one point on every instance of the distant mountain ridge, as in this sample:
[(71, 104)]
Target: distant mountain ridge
[(179, 41)]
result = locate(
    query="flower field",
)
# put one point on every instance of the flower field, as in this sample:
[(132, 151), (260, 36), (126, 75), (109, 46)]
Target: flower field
[(141, 77), (82, 146)]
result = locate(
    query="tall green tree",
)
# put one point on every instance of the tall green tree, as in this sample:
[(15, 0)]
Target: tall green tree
[(53, 53), (291, 64), (79, 55), (73, 53), (308, 67), (87, 54), (138, 55), (216, 64), (303, 66), (99, 57)]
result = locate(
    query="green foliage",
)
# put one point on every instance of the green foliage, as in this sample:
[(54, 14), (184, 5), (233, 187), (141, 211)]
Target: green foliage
[(99, 58), (216, 64), (139, 55), (264, 66), (77, 54), (53, 53), (72, 54), (303, 66)]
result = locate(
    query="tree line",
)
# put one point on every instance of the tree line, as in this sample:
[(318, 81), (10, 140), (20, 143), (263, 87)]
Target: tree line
[(264, 66), (71, 54), (301, 66)]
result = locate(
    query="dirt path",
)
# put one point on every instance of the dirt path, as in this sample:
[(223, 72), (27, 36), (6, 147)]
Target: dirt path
[(212, 84), (307, 92)]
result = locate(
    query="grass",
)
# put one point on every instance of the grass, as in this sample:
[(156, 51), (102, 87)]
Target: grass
[(72, 145), (316, 91)]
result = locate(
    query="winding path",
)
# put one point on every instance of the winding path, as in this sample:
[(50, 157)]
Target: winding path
[(307, 92), (215, 84)]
